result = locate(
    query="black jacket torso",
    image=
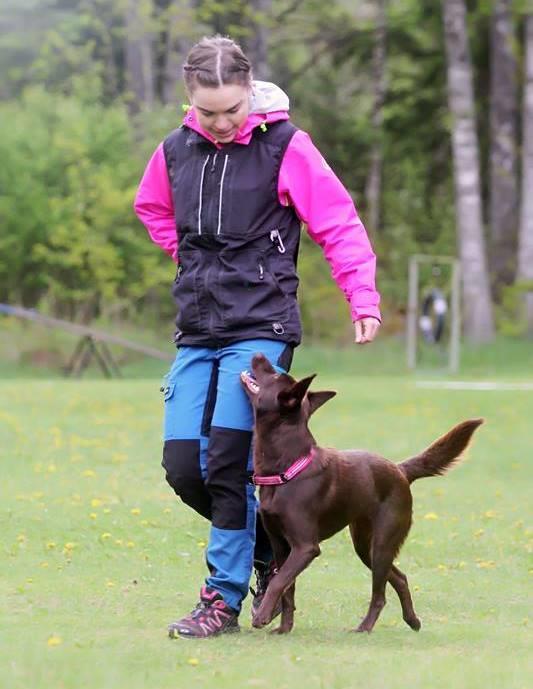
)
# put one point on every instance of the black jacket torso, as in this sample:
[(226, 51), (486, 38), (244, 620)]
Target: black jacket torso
[(237, 245)]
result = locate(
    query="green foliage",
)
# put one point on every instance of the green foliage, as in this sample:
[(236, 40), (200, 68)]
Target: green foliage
[(69, 236)]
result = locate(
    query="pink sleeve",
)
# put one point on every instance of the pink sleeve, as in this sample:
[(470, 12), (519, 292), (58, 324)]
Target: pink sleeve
[(154, 206), (308, 183)]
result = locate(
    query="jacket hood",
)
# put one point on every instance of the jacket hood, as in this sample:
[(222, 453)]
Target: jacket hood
[(268, 104), (267, 97)]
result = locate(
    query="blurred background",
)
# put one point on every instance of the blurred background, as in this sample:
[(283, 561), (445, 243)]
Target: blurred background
[(424, 109)]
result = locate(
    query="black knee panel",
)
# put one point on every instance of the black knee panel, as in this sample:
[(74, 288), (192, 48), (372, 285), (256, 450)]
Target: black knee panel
[(181, 461), (227, 476)]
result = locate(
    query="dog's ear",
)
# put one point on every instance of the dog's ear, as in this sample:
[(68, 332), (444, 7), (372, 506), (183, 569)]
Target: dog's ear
[(317, 399), (292, 397)]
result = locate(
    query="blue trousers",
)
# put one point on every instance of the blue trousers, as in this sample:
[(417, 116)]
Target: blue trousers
[(207, 454)]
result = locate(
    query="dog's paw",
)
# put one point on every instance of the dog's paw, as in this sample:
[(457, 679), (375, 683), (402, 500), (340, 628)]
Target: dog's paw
[(282, 629)]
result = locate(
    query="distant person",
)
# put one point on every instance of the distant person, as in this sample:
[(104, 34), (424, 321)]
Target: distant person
[(225, 195)]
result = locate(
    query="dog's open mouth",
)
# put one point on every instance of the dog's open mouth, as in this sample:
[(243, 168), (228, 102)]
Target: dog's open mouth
[(250, 382)]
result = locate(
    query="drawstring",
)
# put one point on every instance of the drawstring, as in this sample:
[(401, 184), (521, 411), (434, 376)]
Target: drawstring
[(201, 190), (220, 196)]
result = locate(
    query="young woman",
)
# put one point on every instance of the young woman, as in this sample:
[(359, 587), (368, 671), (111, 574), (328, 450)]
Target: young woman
[(225, 196)]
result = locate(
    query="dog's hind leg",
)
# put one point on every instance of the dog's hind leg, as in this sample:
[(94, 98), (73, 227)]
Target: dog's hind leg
[(362, 538), (398, 581), (378, 553)]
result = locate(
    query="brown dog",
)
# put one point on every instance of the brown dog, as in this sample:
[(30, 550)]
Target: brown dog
[(308, 493)]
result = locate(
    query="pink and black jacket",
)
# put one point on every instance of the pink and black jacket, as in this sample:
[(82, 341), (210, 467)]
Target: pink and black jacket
[(230, 216)]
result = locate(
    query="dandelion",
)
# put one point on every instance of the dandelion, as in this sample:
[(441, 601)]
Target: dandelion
[(486, 564), (193, 661), (489, 514), (54, 640), (93, 515), (431, 516), (201, 544), (442, 568), (89, 473), (21, 538), (69, 546), (106, 510), (110, 584), (51, 469), (135, 511), (130, 544), (50, 545), (96, 502), (105, 536), (118, 541), (479, 533)]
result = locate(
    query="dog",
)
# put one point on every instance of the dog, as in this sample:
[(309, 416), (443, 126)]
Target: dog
[(308, 493)]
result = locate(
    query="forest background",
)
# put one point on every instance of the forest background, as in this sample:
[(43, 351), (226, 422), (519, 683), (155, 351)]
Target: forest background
[(424, 108)]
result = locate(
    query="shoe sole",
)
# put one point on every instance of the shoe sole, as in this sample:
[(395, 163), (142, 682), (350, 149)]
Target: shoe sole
[(175, 633)]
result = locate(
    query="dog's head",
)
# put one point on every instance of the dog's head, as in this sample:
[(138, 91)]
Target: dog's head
[(280, 393)]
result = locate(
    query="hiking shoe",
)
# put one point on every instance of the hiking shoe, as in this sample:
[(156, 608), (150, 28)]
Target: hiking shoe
[(263, 576), (210, 617)]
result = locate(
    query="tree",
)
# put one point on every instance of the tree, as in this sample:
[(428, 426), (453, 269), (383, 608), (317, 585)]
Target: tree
[(478, 317), (139, 57), (373, 183), (504, 197), (525, 242)]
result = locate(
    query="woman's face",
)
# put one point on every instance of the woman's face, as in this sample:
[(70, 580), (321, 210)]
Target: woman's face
[(221, 111)]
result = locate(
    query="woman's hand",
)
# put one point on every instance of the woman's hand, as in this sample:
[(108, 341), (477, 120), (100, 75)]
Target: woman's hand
[(366, 330)]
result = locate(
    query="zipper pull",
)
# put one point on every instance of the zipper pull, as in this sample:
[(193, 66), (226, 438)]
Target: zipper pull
[(213, 164), (275, 237), (261, 271)]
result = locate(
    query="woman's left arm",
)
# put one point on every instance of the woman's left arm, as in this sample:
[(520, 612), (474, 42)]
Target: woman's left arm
[(308, 183)]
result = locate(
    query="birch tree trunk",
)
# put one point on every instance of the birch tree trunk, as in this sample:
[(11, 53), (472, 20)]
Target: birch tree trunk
[(257, 43), (179, 26), (477, 306), (525, 240), (139, 60), (373, 182), (504, 198)]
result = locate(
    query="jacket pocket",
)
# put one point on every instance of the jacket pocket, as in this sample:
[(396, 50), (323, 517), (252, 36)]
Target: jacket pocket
[(186, 290), (248, 292)]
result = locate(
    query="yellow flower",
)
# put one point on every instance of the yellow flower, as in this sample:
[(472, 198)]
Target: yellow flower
[(105, 536), (96, 502), (431, 515), (486, 564), (93, 515), (21, 538), (44, 564), (201, 544), (54, 640), (136, 511), (130, 544), (193, 661), (110, 584), (479, 533), (89, 473), (70, 546), (51, 468), (490, 514), (50, 545)]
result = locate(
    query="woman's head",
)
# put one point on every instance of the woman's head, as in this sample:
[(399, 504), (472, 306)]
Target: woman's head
[(218, 79)]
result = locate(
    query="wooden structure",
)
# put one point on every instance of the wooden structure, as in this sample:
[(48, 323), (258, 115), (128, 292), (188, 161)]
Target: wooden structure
[(92, 343)]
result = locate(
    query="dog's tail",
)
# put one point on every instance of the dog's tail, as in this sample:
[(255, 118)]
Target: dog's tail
[(442, 454)]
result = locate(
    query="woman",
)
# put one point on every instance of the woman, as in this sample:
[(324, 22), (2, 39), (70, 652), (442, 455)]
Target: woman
[(225, 195)]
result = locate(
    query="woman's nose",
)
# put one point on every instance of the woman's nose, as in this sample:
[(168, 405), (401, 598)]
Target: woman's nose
[(222, 123)]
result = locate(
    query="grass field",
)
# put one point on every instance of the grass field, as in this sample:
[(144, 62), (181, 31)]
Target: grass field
[(98, 555)]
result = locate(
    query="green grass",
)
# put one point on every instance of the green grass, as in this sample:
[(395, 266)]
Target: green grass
[(98, 555)]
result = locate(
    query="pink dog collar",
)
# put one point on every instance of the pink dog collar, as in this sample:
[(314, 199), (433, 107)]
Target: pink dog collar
[(278, 479)]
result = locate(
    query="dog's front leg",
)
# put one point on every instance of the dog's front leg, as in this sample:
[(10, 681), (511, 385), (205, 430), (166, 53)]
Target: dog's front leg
[(287, 611), (299, 558)]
